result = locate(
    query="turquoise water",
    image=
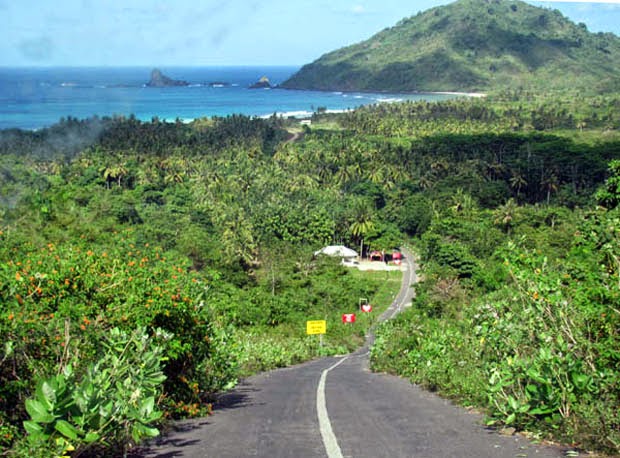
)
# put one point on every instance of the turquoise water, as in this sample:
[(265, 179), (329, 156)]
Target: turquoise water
[(32, 98)]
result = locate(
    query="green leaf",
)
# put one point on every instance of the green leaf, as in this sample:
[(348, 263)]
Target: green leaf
[(146, 407), (511, 418), (534, 375), (32, 427), (46, 394), (67, 429), (532, 390), (514, 404), (91, 437), (580, 380), (38, 412), (8, 349), (35, 431), (541, 411), (138, 431)]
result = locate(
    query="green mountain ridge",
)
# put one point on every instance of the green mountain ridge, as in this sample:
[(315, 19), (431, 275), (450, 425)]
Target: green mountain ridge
[(473, 46)]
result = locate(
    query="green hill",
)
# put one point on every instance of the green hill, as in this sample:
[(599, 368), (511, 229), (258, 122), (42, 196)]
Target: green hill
[(472, 45)]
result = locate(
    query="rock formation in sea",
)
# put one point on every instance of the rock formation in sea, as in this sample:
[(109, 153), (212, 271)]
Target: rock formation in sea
[(262, 83), (158, 79)]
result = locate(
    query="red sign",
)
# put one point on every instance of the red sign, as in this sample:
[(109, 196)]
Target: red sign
[(348, 317), (366, 308)]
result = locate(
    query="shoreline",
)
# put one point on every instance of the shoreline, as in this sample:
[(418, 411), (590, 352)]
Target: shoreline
[(379, 91)]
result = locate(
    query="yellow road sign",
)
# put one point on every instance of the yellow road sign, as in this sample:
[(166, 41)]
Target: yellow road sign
[(316, 327)]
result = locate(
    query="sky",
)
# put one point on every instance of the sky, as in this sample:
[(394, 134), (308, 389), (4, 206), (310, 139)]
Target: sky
[(215, 32)]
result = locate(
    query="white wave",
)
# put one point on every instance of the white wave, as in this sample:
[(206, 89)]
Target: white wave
[(302, 113), (342, 110), (288, 114), (390, 100), (183, 120)]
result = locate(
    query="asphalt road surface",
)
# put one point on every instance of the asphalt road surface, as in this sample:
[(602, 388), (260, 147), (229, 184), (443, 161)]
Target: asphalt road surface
[(335, 407)]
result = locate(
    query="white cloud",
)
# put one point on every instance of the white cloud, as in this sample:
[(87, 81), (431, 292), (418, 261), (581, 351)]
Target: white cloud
[(358, 9)]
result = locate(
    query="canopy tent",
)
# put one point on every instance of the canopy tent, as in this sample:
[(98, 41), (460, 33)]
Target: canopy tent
[(337, 250)]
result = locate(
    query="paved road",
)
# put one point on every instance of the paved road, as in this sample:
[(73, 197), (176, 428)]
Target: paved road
[(335, 407)]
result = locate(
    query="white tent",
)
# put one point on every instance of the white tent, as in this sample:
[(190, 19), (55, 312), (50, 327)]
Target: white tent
[(337, 250)]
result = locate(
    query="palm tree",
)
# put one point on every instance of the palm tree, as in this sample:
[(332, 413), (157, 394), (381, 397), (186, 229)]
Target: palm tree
[(550, 184), (517, 181), (362, 221), (580, 125), (503, 215), (114, 173), (462, 202)]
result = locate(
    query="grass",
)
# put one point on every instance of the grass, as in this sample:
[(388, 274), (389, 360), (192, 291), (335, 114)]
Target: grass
[(265, 348)]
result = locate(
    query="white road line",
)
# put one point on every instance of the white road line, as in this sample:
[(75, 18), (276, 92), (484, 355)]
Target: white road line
[(327, 433), (329, 438), (400, 302)]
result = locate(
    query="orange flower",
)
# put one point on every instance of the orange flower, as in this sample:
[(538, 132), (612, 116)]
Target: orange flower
[(89, 253), (11, 316), (18, 277)]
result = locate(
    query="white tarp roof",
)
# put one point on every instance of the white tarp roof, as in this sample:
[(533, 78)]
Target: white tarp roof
[(337, 250)]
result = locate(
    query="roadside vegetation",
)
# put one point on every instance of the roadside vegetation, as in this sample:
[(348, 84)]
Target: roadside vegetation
[(146, 266)]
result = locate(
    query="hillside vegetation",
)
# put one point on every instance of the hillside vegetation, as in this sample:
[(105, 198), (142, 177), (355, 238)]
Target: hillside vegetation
[(145, 266), (472, 45)]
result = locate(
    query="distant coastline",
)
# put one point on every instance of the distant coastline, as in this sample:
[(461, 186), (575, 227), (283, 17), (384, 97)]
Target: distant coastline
[(35, 97), (378, 91)]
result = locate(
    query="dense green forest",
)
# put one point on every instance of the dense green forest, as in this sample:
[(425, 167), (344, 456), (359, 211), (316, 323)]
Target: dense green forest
[(472, 45), (148, 265)]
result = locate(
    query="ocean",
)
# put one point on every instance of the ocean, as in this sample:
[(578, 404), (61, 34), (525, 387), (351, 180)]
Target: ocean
[(34, 98)]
